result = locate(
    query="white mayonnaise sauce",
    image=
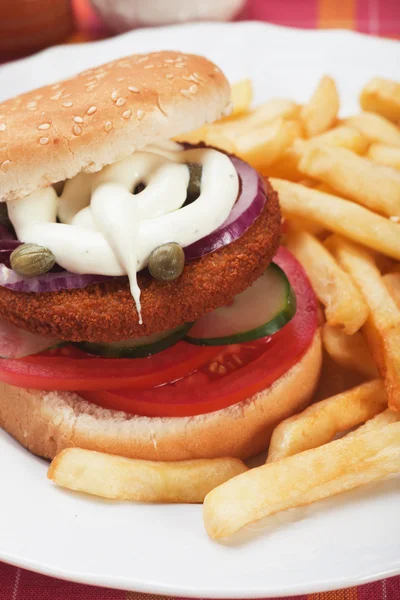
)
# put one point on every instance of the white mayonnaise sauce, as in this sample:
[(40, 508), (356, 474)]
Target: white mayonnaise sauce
[(106, 229)]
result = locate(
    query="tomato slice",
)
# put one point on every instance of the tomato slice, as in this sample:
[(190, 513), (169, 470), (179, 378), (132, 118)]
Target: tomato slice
[(235, 372), (70, 369)]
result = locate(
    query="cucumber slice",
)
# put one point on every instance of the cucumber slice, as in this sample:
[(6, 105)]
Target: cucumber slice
[(261, 310), (137, 348)]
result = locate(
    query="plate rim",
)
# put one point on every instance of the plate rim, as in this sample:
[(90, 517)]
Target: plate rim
[(119, 582)]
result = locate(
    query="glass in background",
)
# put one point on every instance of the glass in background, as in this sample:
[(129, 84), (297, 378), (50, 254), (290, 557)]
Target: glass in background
[(123, 15)]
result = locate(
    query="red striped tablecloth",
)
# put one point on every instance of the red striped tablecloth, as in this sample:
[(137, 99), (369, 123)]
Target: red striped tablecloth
[(376, 17)]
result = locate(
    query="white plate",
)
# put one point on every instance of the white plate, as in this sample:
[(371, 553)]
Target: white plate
[(344, 541)]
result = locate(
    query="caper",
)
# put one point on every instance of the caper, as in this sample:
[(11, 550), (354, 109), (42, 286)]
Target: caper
[(166, 262), (32, 260), (194, 187)]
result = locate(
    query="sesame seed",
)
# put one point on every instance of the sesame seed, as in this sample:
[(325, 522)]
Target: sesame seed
[(186, 93), (78, 120), (133, 89), (44, 126), (179, 65), (31, 105), (149, 67), (126, 114), (43, 141), (5, 164), (56, 96), (114, 95), (77, 130), (169, 76), (216, 70), (107, 126), (56, 86), (140, 114), (169, 60), (120, 78), (91, 110), (3, 126), (120, 101), (142, 59), (67, 104), (395, 219), (91, 88), (193, 88), (38, 97)]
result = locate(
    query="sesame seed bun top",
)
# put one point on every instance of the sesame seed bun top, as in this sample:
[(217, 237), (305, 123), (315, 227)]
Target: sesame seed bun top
[(103, 114)]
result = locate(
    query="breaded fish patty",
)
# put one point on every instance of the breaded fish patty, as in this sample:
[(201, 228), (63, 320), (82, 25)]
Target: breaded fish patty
[(106, 312)]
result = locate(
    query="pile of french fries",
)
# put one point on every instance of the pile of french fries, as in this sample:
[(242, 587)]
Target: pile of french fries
[(339, 187)]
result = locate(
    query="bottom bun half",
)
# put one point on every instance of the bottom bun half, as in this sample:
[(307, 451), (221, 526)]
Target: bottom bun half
[(48, 422)]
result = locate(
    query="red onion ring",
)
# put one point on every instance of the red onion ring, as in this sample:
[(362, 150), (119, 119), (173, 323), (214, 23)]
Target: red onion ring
[(50, 282), (248, 207)]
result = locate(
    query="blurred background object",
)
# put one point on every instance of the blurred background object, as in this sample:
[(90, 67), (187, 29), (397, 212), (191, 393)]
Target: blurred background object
[(122, 15), (30, 25)]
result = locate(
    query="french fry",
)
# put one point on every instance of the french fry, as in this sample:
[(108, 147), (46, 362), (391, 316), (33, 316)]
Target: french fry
[(382, 96), (385, 155), (335, 379), (341, 216), (344, 305), (286, 167), (265, 113), (235, 126), (217, 139), (307, 225), (381, 420), (392, 282), (321, 111), (327, 189), (301, 479), (350, 351), (308, 182), (375, 128), (194, 137), (241, 96), (383, 325), (264, 146), (321, 422), (374, 186), (385, 264), (341, 137), (119, 478)]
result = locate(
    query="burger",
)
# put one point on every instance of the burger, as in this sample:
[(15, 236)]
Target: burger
[(147, 308)]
